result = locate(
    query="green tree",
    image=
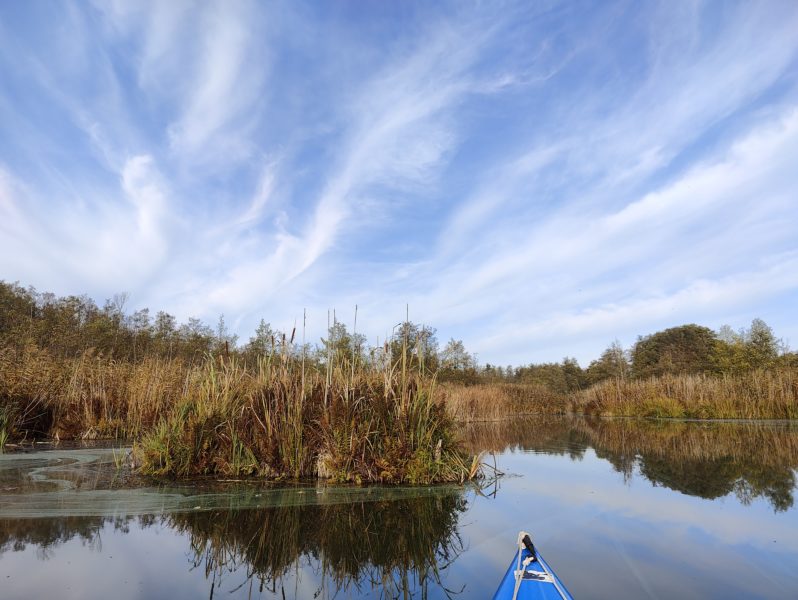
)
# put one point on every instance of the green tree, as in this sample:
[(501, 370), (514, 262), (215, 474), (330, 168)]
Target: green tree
[(612, 364), (456, 364), (196, 339), (142, 332), (684, 349), (263, 343), (224, 340), (341, 345), (420, 343), (165, 335), (762, 347), (573, 374)]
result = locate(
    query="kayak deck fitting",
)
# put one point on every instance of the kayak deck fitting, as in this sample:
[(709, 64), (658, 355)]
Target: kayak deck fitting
[(529, 576)]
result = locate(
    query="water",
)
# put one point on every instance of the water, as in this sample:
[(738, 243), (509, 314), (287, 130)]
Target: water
[(621, 509)]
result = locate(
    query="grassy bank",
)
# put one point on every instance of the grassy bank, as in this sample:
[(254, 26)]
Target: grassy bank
[(88, 397), (276, 419), (760, 394), (756, 394), (496, 401)]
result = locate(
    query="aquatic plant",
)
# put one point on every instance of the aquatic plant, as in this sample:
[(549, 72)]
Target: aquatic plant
[(760, 394), (495, 401), (120, 458), (3, 429), (276, 416), (278, 421)]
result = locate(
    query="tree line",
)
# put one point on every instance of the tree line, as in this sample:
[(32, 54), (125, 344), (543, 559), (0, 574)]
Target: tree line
[(73, 325), (684, 350)]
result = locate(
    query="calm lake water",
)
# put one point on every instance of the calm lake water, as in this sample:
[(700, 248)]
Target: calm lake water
[(620, 508)]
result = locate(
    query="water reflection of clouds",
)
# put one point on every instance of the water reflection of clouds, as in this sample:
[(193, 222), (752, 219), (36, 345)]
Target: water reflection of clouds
[(609, 531), (590, 488), (636, 540), (142, 563)]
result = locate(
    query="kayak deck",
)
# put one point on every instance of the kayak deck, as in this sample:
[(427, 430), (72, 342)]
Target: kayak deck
[(538, 581)]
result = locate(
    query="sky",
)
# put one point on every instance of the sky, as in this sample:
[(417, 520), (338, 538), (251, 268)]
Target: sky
[(537, 179)]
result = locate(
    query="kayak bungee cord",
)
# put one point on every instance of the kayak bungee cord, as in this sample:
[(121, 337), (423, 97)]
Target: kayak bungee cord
[(525, 542)]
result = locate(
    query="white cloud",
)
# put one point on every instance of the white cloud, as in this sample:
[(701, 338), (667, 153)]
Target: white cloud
[(395, 135), (228, 78), (512, 174)]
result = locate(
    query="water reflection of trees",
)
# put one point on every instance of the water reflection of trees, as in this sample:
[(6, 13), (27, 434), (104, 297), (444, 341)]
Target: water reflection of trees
[(707, 459), (396, 547), (392, 548), (45, 535)]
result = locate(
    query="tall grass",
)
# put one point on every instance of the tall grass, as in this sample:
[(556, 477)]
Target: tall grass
[(347, 421), (761, 394), (496, 401), (361, 425), (89, 396), (3, 429), (758, 394)]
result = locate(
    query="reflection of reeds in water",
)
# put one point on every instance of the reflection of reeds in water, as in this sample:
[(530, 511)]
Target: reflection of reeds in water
[(706, 459), (47, 534), (397, 546), (545, 433), (771, 394), (771, 444), (391, 545)]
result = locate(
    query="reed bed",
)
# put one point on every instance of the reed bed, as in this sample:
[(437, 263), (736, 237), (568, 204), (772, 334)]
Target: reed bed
[(760, 394), (277, 419), (278, 422), (496, 401), (690, 441), (85, 397)]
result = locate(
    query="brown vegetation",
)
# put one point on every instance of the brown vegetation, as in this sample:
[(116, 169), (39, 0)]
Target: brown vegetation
[(198, 405), (760, 394), (496, 401), (710, 459), (277, 421)]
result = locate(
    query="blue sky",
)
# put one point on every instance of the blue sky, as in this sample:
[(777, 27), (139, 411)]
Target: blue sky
[(535, 178)]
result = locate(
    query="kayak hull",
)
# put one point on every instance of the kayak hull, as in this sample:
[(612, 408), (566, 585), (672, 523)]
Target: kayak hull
[(534, 585)]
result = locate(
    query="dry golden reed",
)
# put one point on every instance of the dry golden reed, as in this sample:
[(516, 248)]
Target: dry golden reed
[(760, 394), (496, 401), (274, 419)]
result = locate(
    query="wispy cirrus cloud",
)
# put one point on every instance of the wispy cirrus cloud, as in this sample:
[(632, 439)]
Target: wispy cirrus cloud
[(534, 179)]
